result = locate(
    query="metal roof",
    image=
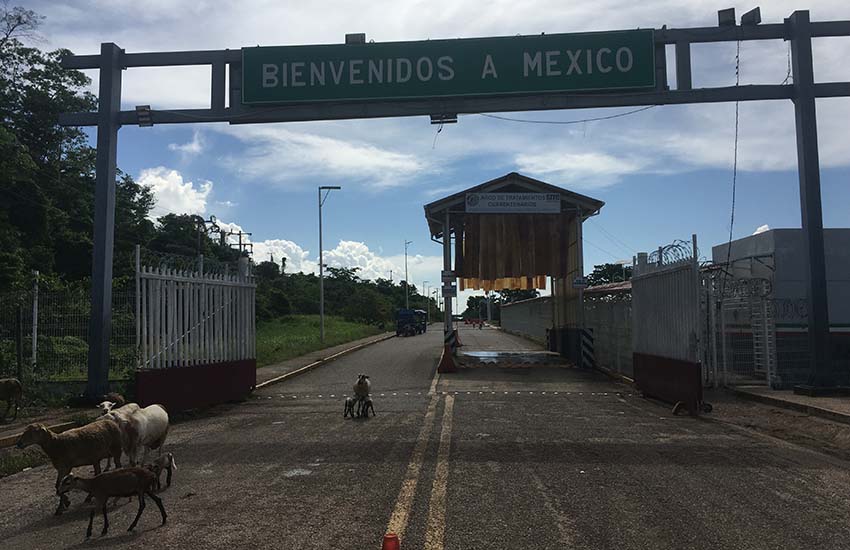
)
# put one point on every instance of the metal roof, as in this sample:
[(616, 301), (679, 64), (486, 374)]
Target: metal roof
[(610, 288), (513, 182)]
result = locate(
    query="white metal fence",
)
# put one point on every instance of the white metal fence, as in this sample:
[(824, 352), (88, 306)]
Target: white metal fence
[(665, 302), (191, 318)]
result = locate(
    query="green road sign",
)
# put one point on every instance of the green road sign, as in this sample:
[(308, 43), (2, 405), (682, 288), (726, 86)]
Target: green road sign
[(449, 68)]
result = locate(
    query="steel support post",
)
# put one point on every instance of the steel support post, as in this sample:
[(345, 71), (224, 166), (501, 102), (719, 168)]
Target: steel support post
[(821, 372), (447, 266), (321, 276), (100, 323)]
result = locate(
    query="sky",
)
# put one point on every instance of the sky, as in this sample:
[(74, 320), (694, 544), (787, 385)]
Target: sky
[(664, 173)]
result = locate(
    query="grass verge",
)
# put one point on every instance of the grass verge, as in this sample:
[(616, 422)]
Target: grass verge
[(15, 460), (295, 335)]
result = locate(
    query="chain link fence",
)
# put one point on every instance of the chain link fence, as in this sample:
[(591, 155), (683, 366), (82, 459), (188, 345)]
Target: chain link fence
[(57, 322)]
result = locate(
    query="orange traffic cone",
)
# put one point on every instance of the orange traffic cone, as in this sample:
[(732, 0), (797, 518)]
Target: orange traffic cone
[(391, 542), (447, 363)]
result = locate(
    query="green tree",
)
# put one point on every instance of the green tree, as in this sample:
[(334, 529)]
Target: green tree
[(609, 273), (508, 295)]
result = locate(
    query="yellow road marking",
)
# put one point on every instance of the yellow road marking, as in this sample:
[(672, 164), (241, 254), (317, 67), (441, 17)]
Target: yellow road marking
[(436, 530), (434, 381), (404, 502)]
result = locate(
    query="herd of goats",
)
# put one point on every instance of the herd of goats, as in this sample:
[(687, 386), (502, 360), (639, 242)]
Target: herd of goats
[(123, 429)]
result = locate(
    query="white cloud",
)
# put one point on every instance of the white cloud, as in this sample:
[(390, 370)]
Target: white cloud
[(761, 229), (194, 147), (386, 153), (279, 155), (583, 170), (173, 194), (297, 259)]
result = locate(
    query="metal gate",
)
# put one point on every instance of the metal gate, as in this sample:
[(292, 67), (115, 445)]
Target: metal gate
[(739, 328), (195, 335), (666, 324)]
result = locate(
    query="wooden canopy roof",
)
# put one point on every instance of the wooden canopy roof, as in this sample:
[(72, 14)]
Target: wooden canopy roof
[(513, 182)]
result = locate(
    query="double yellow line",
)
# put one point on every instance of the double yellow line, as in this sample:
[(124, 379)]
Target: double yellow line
[(435, 533)]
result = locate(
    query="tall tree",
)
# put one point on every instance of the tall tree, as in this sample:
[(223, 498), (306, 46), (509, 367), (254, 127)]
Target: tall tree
[(609, 273)]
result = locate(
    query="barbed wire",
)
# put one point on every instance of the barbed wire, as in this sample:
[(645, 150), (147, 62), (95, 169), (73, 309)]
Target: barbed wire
[(677, 251), (179, 262)]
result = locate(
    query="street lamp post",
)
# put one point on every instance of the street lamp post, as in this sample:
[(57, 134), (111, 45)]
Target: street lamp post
[(406, 280), (327, 189)]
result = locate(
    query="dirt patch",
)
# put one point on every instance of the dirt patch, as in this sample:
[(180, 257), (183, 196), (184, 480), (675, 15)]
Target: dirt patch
[(794, 426)]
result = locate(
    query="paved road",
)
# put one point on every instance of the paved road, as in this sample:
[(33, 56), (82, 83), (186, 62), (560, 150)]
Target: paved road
[(464, 463)]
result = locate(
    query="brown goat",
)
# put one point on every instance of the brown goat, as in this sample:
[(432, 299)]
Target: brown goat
[(164, 462), (11, 390), (127, 482), (83, 446)]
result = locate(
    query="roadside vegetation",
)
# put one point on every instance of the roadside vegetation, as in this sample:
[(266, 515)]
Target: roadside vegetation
[(287, 337), (47, 181)]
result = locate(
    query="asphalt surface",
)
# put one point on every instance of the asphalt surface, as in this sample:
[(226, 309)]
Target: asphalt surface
[(486, 460)]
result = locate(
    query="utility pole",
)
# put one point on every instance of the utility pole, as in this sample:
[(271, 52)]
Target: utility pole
[(328, 189), (406, 281)]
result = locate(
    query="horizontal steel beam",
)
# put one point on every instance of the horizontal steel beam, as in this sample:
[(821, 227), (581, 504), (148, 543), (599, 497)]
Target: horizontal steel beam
[(832, 89), (157, 59), (662, 36), (336, 111)]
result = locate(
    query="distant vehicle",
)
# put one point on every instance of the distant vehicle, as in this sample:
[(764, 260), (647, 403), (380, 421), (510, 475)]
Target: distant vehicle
[(410, 322)]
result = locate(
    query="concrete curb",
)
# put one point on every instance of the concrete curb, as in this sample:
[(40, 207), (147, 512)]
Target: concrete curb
[(321, 362), (616, 376), (10, 440), (800, 407)]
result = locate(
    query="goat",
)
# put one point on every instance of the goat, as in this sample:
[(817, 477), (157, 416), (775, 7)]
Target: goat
[(165, 462), (83, 446), (145, 428), (117, 402), (127, 482), (349, 407), (366, 406), (11, 390), (116, 398), (363, 387)]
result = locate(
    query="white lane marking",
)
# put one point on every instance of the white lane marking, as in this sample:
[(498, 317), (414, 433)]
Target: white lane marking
[(436, 530), (404, 502)]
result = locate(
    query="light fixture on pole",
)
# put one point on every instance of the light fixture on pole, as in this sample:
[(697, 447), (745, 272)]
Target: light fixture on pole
[(406, 282), (327, 189)]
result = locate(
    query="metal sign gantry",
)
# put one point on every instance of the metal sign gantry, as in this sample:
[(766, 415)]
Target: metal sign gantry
[(797, 29)]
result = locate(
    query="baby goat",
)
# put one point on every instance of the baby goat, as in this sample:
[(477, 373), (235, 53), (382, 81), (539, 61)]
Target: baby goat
[(164, 462), (349, 407), (127, 482), (366, 406)]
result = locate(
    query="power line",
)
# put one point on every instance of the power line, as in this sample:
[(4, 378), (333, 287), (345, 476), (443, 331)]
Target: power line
[(580, 121), (599, 248), (734, 172), (614, 239)]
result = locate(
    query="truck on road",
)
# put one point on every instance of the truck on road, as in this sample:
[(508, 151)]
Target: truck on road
[(410, 322)]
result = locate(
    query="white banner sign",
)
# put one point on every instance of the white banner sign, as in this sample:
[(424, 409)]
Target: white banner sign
[(513, 203)]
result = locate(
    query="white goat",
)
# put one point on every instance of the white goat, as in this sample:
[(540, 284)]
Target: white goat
[(363, 387), (145, 428)]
